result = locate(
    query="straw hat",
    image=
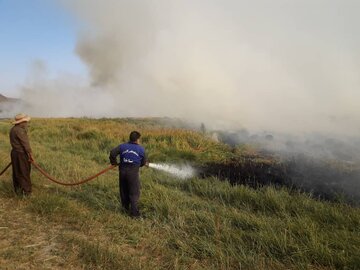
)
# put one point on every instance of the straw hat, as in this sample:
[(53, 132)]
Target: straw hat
[(21, 118)]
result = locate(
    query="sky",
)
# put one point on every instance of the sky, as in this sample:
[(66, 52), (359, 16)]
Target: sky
[(280, 65), (31, 32)]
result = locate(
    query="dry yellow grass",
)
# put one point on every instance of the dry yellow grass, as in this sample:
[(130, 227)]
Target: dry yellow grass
[(194, 224)]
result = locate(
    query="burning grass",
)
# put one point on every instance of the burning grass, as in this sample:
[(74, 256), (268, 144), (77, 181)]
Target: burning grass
[(193, 224)]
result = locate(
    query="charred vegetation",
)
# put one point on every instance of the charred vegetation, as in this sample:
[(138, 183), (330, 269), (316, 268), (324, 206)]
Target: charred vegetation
[(328, 180)]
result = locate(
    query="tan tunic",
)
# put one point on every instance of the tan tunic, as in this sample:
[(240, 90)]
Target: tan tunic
[(19, 139), (21, 166)]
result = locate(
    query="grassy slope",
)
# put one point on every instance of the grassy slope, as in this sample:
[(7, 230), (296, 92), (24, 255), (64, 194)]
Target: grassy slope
[(193, 224)]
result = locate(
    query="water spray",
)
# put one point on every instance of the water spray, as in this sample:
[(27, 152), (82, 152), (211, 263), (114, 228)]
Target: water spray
[(180, 171)]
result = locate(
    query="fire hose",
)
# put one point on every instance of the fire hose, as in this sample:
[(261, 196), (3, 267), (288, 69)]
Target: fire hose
[(61, 182), (4, 170)]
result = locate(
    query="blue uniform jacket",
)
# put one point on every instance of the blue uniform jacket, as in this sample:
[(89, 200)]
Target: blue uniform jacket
[(130, 154)]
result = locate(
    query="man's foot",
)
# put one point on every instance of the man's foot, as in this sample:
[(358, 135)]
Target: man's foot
[(135, 214), (124, 209)]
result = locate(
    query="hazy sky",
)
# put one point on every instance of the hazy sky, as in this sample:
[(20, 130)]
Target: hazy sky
[(31, 31), (285, 65)]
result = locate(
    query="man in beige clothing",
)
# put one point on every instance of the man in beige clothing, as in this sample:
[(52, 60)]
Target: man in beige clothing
[(21, 155)]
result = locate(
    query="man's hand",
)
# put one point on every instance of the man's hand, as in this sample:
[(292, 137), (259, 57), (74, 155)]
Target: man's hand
[(31, 159)]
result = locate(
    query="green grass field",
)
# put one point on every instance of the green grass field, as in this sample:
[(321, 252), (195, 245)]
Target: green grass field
[(187, 224)]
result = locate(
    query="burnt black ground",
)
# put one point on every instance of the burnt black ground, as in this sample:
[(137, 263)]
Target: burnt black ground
[(327, 180)]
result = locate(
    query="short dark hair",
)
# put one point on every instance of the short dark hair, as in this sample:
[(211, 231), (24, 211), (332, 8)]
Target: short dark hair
[(134, 136)]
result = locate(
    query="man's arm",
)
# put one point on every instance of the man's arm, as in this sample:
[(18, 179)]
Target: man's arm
[(143, 158), (113, 155)]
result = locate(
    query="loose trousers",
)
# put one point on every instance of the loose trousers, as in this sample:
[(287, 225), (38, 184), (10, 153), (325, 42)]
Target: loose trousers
[(129, 184), (21, 169)]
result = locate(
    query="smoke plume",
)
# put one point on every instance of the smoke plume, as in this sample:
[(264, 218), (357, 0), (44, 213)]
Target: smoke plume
[(266, 65), (283, 66)]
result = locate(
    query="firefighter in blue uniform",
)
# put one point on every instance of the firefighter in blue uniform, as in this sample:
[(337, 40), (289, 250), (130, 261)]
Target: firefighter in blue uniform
[(132, 157)]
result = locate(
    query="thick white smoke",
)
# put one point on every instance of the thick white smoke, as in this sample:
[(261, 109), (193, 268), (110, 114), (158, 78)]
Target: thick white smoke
[(277, 65)]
